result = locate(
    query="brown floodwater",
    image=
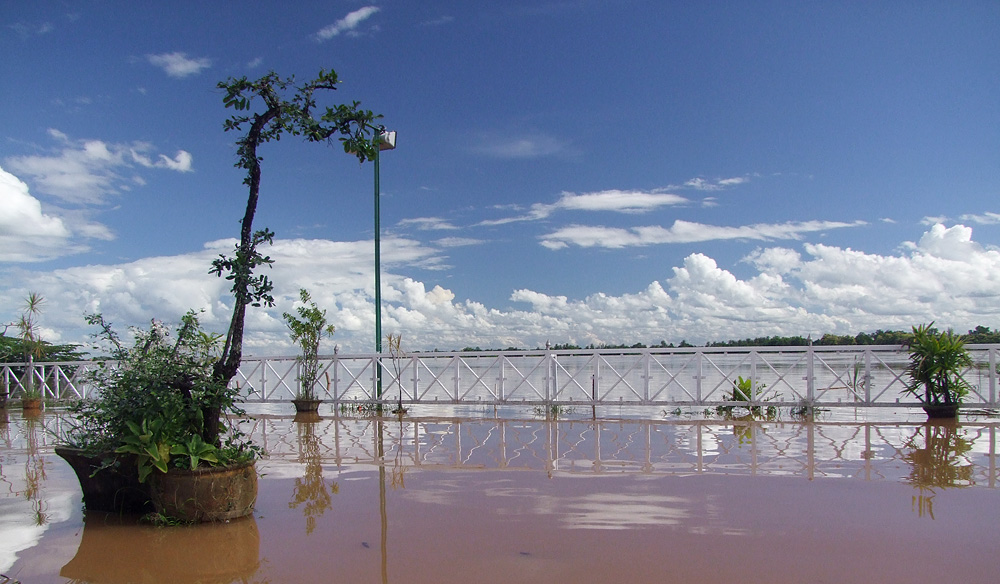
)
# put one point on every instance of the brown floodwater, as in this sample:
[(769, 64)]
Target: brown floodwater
[(520, 498)]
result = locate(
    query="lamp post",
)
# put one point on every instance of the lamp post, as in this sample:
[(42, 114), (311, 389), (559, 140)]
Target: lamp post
[(385, 141)]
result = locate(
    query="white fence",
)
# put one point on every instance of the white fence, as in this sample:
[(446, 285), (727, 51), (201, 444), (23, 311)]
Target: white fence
[(820, 376), (871, 376)]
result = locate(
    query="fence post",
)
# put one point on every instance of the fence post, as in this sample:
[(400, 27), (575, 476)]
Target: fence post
[(993, 377), (810, 377), (698, 375), (336, 385), (458, 372), (594, 383), (868, 376), (416, 377), (549, 373), (753, 377), (263, 379), (645, 374), (501, 382)]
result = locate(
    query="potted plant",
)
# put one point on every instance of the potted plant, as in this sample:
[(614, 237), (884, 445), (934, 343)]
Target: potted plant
[(150, 424), (937, 360), (31, 347), (307, 330)]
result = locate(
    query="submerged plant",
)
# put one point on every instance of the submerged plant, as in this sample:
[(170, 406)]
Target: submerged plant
[(553, 411), (395, 345), (747, 397)]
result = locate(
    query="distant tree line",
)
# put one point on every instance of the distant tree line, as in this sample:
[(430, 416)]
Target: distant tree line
[(979, 335), (12, 350)]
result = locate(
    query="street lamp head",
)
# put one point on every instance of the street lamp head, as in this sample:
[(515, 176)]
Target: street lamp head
[(386, 140)]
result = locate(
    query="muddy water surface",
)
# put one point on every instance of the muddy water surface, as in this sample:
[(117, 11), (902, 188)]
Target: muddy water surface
[(527, 500)]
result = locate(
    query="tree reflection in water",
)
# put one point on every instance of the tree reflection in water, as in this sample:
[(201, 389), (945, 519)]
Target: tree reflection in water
[(34, 469), (311, 490), (937, 455)]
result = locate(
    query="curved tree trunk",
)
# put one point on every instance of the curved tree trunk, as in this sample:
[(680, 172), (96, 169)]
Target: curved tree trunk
[(232, 352)]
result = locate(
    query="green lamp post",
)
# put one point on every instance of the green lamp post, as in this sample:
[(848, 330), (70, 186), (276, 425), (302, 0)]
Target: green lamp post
[(386, 141)]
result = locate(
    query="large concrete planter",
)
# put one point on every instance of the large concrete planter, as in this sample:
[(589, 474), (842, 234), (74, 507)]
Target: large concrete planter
[(115, 489), (210, 493), (32, 404), (306, 405), (941, 411)]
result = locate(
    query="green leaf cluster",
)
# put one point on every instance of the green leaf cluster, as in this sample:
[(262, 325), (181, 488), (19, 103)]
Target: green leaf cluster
[(743, 393), (151, 443), (265, 110), (28, 341), (307, 330), (248, 288), (937, 361), (158, 399)]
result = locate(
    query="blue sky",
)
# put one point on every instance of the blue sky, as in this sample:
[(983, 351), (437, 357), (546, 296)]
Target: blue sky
[(578, 171)]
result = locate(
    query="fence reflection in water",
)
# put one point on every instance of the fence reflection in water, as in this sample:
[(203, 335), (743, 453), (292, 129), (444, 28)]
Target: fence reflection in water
[(867, 451), (928, 456), (811, 449)]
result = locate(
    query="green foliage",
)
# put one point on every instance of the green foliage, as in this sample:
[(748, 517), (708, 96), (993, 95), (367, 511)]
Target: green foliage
[(147, 443), (982, 335), (552, 411), (239, 269), (743, 393), (937, 360), (265, 112), (28, 343), (12, 350), (196, 450), (158, 399), (307, 330)]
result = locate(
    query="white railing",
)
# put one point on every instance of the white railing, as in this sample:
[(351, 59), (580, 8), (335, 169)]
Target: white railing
[(828, 376), (62, 380), (825, 376)]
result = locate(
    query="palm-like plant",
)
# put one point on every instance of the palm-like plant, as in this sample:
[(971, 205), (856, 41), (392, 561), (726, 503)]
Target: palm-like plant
[(30, 341), (937, 360)]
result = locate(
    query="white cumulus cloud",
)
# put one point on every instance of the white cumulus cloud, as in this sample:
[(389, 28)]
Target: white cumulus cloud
[(179, 64), (681, 232), (29, 234), (347, 24), (88, 171), (614, 200), (945, 276)]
